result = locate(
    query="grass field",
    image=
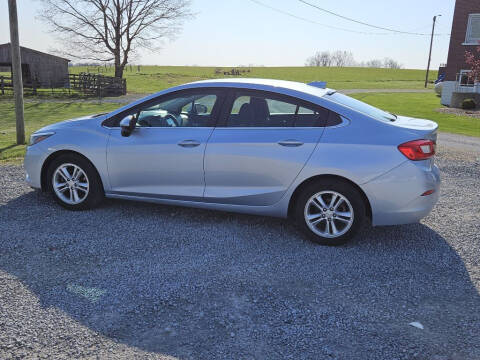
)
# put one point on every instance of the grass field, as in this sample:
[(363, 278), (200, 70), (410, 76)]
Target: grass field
[(422, 106), (39, 114), (155, 78)]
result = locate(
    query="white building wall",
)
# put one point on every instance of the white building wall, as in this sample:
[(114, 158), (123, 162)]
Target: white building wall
[(447, 92)]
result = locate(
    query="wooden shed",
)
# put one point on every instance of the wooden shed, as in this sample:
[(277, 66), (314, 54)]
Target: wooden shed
[(44, 69)]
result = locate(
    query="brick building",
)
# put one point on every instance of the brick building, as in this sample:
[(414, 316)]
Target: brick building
[(465, 36)]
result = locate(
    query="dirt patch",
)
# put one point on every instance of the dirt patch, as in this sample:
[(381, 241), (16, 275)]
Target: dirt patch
[(455, 111)]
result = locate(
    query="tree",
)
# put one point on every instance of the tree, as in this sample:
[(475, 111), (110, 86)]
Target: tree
[(110, 30), (470, 59), (325, 59), (337, 58), (342, 58), (313, 60), (375, 63), (391, 64), (320, 59)]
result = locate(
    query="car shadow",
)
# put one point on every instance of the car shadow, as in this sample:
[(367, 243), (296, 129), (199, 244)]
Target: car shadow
[(202, 284)]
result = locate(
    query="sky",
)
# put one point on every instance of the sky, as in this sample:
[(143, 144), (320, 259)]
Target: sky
[(242, 32)]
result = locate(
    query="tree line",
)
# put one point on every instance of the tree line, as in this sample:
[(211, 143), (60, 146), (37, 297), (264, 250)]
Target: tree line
[(343, 58)]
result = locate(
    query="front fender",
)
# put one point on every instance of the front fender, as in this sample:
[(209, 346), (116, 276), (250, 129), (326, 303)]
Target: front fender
[(88, 142)]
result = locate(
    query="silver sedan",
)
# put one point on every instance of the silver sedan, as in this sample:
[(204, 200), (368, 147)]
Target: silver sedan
[(264, 147)]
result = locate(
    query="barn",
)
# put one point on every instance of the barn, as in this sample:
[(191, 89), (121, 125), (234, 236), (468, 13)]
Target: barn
[(45, 70)]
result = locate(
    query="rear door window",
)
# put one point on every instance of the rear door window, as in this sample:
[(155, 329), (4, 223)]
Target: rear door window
[(257, 110)]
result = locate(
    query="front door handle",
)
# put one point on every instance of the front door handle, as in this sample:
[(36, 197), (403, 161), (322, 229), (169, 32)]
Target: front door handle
[(290, 143), (189, 143)]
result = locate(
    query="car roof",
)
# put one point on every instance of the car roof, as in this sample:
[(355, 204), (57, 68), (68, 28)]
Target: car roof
[(282, 86), (291, 88)]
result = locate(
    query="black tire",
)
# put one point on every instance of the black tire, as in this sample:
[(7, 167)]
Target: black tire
[(95, 192), (355, 202)]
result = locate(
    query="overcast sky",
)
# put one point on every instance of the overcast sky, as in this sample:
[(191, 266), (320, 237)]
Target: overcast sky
[(234, 32)]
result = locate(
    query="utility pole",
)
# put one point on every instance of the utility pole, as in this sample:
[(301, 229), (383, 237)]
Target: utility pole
[(17, 71), (430, 53)]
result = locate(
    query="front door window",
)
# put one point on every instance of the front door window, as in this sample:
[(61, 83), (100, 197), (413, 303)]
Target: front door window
[(182, 111)]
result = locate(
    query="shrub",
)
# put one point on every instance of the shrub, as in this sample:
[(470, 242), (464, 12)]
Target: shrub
[(468, 104)]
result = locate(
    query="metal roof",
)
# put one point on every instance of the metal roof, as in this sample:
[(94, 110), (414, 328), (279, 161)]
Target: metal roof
[(35, 51)]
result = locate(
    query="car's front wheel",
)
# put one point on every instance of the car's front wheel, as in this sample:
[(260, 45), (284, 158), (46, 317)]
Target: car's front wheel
[(74, 182), (330, 211)]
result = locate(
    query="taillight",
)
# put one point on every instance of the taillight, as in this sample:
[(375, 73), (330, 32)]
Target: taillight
[(418, 149)]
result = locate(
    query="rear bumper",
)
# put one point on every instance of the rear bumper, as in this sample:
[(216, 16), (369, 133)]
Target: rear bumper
[(396, 197)]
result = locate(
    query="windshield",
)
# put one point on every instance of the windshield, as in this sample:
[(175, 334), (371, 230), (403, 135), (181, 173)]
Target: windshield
[(362, 107)]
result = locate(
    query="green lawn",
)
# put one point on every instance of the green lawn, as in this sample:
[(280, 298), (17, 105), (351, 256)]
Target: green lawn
[(155, 78), (38, 115), (422, 106)]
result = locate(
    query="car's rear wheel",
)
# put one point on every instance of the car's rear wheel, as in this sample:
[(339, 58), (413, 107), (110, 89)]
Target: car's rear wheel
[(74, 182), (330, 211)]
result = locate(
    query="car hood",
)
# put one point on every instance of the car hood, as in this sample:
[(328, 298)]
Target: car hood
[(80, 121)]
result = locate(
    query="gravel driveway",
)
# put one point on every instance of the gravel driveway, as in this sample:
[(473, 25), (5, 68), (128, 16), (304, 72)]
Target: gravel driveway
[(148, 281)]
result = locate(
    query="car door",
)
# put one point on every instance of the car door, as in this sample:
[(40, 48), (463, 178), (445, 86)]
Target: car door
[(163, 157), (260, 147)]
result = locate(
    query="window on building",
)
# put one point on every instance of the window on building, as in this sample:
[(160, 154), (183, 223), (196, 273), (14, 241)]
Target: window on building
[(463, 78), (473, 29)]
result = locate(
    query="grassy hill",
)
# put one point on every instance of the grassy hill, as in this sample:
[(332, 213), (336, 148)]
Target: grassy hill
[(155, 78)]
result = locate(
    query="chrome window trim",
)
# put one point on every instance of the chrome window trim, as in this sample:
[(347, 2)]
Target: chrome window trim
[(344, 122), (163, 127)]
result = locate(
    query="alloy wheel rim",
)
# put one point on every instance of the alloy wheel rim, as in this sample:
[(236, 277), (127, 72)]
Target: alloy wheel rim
[(329, 214), (70, 184)]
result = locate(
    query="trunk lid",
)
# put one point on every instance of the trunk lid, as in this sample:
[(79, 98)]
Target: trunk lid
[(422, 128)]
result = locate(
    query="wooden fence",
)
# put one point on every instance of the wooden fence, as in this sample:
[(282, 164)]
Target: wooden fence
[(89, 84), (98, 85), (5, 84)]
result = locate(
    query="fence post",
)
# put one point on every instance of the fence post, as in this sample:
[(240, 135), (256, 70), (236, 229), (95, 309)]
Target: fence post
[(2, 85), (98, 85)]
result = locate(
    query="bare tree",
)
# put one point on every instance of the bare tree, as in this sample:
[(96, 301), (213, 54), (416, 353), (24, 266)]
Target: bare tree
[(313, 60), (323, 58), (391, 64), (318, 59), (375, 63), (343, 58), (110, 30)]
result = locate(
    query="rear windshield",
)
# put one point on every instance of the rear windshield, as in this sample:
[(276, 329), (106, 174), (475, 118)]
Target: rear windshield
[(362, 107)]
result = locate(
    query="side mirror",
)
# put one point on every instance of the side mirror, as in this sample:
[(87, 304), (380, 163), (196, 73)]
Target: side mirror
[(127, 125), (200, 109)]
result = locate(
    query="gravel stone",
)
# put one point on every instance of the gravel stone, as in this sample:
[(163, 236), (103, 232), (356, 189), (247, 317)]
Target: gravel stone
[(136, 280)]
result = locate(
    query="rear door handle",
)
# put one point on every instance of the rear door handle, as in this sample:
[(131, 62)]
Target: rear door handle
[(290, 143), (189, 143)]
